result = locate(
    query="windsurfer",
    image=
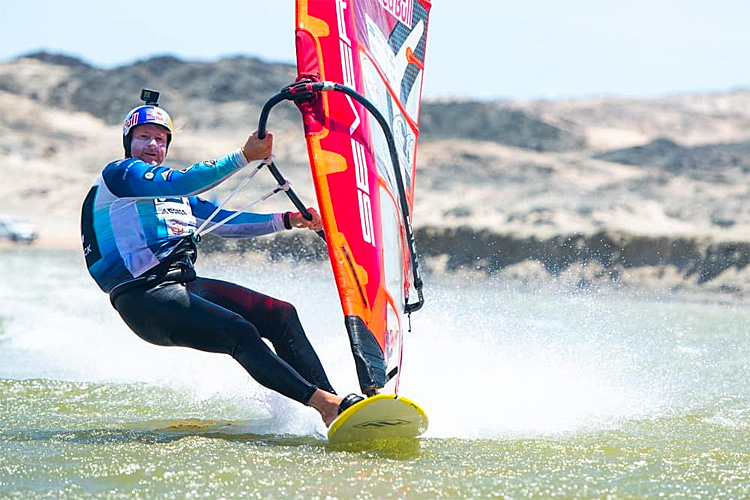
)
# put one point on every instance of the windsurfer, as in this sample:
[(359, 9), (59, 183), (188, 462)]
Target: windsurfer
[(138, 229)]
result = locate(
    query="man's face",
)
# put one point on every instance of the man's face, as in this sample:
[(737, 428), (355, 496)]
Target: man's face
[(149, 143)]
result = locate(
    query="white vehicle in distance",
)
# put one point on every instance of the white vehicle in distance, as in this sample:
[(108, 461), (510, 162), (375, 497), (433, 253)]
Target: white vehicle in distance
[(16, 230)]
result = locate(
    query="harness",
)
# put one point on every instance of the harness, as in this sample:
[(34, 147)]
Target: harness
[(177, 268)]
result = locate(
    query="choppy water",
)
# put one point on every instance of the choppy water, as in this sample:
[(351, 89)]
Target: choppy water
[(530, 395)]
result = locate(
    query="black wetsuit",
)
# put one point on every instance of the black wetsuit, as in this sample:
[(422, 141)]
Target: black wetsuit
[(137, 226), (173, 307)]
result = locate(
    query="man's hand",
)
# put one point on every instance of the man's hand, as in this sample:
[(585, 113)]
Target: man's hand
[(258, 149), (296, 219)]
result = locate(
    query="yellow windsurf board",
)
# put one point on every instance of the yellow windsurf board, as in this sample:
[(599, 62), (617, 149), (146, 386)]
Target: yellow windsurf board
[(381, 417)]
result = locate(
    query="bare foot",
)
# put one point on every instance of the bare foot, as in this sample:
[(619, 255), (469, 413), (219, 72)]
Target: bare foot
[(327, 405)]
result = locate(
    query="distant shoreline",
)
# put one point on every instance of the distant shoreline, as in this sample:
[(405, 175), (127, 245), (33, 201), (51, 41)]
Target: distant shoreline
[(607, 260)]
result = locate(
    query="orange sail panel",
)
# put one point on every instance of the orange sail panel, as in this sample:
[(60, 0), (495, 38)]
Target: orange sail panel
[(377, 48)]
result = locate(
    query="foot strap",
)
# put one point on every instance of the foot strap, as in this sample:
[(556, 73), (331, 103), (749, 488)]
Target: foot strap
[(349, 400)]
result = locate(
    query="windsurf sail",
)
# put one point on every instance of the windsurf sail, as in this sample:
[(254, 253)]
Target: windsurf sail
[(361, 63)]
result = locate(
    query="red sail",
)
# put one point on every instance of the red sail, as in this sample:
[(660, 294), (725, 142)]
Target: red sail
[(377, 48)]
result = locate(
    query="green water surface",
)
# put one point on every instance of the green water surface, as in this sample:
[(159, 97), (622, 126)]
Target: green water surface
[(79, 440)]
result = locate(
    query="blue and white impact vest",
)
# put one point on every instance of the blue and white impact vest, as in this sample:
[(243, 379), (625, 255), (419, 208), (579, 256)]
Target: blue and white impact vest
[(136, 214)]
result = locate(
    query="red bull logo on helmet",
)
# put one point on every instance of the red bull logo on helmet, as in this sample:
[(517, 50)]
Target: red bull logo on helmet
[(146, 114), (130, 121), (159, 116)]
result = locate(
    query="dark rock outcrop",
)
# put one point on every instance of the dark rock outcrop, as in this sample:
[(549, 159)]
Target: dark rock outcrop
[(490, 253), (183, 84), (675, 158), (481, 121)]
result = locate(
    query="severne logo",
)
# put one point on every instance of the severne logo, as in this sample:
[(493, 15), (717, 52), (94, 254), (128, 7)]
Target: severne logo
[(382, 423), (401, 9), (364, 201)]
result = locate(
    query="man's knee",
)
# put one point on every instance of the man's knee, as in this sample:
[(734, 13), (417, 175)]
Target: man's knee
[(242, 336), (286, 313)]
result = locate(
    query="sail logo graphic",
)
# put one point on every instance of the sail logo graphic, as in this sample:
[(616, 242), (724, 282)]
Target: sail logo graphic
[(364, 201), (363, 192), (401, 9)]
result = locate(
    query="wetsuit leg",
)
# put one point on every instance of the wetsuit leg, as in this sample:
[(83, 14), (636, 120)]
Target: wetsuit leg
[(170, 315), (276, 321)]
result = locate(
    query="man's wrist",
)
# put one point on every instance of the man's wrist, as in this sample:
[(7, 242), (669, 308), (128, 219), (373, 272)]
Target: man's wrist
[(287, 220)]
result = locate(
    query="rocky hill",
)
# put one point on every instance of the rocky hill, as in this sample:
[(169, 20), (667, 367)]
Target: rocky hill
[(608, 190)]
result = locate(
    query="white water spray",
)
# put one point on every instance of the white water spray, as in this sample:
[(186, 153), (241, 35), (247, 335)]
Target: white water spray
[(484, 361)]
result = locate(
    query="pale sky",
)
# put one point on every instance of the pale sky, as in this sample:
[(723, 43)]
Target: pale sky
[(516, 49)]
